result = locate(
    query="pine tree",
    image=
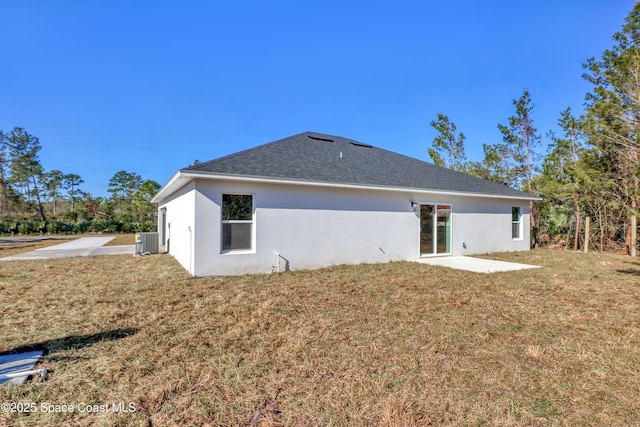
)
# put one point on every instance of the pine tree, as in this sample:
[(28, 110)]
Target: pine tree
[(4, 166), (613, 114), (559, 182), (25, 166), (519, 150), (447, 149)]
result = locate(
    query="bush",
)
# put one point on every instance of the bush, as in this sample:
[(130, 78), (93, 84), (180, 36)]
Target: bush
[(12, 227), (129, 227), (98, 225), (81, 227), (57, 227), (146, 226), (138, 227), (113, 226), (26, 227), (53, 227), (106, 226), (41, 227)]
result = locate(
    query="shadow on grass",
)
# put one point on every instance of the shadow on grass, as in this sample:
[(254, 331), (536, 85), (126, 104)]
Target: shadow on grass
[(18, 240), (73, 341), (630, 271)]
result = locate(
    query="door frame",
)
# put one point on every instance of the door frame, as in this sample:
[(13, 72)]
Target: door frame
[(435, 228)]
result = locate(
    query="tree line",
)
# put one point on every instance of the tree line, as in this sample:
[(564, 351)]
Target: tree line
[(590, 169), (35, 200)]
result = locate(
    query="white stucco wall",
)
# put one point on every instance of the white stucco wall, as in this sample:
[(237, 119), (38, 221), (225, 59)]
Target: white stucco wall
[(180, 224), (483, 225), (309, 227), (313, 227)]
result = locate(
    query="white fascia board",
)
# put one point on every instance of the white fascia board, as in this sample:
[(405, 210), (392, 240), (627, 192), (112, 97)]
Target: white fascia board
[(188, 175), (177, 181)]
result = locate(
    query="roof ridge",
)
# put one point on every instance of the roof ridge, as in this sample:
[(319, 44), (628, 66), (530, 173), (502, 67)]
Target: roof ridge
[(238, 153), (232, 155)]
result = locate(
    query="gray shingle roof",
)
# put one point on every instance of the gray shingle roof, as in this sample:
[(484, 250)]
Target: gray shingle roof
[(316, 157)]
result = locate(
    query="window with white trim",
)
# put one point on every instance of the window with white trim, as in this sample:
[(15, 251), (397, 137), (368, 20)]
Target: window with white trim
[(237, 222), (516, 222)]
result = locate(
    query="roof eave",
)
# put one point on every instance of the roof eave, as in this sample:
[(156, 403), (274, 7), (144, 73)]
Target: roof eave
[(177, 181)]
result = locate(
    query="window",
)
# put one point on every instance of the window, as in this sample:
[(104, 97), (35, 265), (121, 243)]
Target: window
[(237, 221), (515, 222)]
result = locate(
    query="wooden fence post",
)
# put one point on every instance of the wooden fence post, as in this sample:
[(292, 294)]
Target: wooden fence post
[(587, 227), (634, 234)]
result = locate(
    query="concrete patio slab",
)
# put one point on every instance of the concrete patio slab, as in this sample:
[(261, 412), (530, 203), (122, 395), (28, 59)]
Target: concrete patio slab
[(477, 265), (84, 246)]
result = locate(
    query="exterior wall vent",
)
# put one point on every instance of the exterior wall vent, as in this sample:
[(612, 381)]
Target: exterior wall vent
[(318, 138), (360, 144)]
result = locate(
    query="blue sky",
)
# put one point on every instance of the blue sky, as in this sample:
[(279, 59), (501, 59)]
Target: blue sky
[(150, 86)]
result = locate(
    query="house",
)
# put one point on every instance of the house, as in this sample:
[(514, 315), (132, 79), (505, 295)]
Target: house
[(313, 200)]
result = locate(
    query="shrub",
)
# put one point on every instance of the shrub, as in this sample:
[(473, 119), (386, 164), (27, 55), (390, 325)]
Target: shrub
[(145, 226), (106, 226), (26, 227), (40, 227), (113, 226), (57, 227), (82, 227), (12, 227), (53, 227), (138, 226), (129, 227), (98, 225)]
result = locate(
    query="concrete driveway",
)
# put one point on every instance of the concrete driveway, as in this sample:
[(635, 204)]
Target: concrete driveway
[(84, 246), (477, 265)]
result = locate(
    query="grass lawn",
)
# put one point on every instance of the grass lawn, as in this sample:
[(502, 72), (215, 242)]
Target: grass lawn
[(122, 239), (397, 344)]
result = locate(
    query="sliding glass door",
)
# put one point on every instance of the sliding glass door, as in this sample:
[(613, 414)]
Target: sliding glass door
[(435, 229), (426, 229)]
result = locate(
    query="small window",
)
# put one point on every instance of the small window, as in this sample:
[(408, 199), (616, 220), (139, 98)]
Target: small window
[(515, 222), (237, 221)]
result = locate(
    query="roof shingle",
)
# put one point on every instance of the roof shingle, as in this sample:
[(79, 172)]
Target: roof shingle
[(317, 157)]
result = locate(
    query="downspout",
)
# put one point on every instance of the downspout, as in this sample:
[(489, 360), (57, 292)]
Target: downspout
[(190, 251)]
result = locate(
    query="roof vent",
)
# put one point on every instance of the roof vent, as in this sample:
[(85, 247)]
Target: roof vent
[(317, 138), (360, 144)]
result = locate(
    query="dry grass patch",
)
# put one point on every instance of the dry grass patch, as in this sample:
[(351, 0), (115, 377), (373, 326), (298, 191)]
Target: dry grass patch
[(122, 239), (393, 344)]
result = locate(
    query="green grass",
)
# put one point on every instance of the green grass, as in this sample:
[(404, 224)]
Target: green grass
[(392, 344)]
